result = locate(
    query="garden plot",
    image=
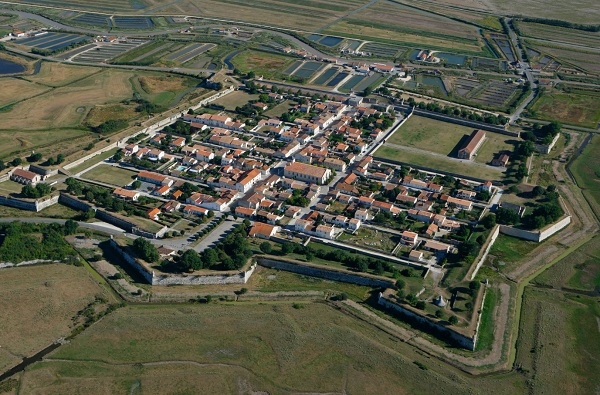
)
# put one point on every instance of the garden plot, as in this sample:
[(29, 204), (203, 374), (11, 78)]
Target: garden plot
[(488, 64), (106, 51), (368, 81), (495, 93), (463, 86)]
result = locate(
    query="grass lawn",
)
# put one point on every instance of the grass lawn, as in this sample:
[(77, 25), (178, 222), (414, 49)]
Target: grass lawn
[(444, 137), (573, 108), (429, 134), (235, 99), (278, 110), (510, 249), (10, 186), (110, 175), (39, 304), (463, 167), (269, 280), (586, 170), (262, 63), (486, 326), (92, 161), (372, 239)]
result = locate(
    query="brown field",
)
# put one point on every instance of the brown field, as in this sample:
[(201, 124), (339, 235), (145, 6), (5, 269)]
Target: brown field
[(572, 108), (39, 304), (157, 84), (102, 113), (587, 60), (235, 99), (67, 106), (59, 74), (409, 18), (291, 14), (14, 90), (557, 33), (582, 11)]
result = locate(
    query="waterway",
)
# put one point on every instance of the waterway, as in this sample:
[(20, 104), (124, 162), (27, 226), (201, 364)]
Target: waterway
[(8, 67)]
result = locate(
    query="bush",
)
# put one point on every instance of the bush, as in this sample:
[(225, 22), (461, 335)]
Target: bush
[(453, 320)]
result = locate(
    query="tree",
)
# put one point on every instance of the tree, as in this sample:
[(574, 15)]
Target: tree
[(400, 283), (136, 184), (16, 162), (538, 191), (489, 221), (70, 227), (507, 216), (266, 247), (439, 314), (287, 248), (118, 156), (210, 214), (209, 257), (34, 157), (190, 260), (146, 250), (453, 320), (309, 256), (474, 285)]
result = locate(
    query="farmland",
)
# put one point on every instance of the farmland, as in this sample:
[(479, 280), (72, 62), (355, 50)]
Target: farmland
[(39, 304), (397, 24), (586, 170), (561, 34), (588, 60), (268, 12), (578, 108), (76, 95)]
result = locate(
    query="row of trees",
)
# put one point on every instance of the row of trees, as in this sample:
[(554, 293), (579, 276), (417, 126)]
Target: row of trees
[(458, 112)]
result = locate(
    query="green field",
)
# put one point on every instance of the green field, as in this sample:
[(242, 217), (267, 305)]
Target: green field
[(507, 250), (270, 347), (579, 270), (110, 175), (586, 170), (92, 161), (559, 342), (578, 108)]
